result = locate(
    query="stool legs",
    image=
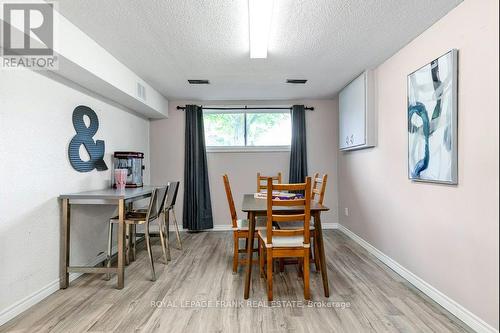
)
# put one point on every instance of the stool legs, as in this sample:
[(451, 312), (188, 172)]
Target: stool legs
[(177, 233), (132, 243), (161, 226), (166, 226), (127, 244), (150, 253)]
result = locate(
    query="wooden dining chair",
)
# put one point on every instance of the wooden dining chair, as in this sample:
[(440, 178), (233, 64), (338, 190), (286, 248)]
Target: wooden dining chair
[(240, 227), (262, 181), (318, 189), (134, 218), (286, 243)]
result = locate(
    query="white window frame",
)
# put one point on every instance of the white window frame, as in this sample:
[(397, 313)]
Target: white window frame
[(245, 149)]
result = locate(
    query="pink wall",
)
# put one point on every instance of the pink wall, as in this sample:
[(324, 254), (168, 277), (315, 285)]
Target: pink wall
[(446, 235), (167, 158)]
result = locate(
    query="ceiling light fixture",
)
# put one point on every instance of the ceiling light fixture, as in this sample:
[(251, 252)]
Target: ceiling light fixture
[(259, 18)]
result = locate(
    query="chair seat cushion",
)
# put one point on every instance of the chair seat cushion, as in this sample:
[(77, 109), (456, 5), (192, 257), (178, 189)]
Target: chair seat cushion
[(293, 225), (260, 223), (282, 241)]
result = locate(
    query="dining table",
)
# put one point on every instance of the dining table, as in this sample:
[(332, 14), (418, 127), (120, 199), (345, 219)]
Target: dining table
[(122, 198), (258, 207)]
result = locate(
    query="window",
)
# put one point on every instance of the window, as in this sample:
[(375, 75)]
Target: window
[(247, 130)]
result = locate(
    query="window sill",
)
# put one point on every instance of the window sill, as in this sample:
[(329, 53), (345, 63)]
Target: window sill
[(256, 149)]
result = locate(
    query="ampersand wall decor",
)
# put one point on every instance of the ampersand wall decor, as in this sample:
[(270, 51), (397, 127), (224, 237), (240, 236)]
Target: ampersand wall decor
[(84, 136)]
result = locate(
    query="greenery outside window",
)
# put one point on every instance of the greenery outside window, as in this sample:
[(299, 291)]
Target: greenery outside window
[(247, 130)]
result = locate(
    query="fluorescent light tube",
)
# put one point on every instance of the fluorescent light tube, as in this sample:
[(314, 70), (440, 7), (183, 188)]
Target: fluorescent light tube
[(259, 17)]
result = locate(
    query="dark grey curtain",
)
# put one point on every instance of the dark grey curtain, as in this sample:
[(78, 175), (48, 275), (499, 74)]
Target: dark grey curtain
[(298, 153), (197, 212)]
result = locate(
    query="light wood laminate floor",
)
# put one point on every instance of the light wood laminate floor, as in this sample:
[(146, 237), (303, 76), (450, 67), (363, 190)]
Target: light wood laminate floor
[(366, 296)]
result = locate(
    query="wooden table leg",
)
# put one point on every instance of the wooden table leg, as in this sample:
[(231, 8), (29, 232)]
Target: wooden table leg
[(251, 231), (321, 248), (121, 244), (64, 246)]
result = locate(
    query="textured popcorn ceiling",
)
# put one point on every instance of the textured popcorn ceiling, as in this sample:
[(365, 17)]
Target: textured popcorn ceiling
[(327, 42)]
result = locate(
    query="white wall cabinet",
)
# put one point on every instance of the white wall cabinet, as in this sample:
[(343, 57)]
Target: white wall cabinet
[(357, 118)]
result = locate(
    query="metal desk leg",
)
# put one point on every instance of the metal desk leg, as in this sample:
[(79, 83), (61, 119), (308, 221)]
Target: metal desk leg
[(321, 248), (64, 246), (251, 231), (121, 244)]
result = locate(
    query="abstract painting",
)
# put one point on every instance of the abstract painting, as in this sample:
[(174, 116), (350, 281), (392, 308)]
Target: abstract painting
[(432, 121)]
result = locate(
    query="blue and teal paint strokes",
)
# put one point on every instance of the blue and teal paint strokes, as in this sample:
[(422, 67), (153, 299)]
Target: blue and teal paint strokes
[(432, 121), (419, 110)]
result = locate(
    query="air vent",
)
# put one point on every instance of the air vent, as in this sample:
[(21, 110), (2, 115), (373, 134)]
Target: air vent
[(296, 81), (141, 91), (199, 82)]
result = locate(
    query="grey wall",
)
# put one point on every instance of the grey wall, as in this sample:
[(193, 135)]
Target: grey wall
[(167, 157), (446, 235)]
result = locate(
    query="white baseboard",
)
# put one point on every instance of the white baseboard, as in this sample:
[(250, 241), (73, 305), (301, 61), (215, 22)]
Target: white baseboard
[(222, 227), (326, 226), (470, 319), (30, 300)]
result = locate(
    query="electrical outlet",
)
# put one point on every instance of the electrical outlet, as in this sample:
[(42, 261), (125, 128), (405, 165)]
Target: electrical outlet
[(346, 211)]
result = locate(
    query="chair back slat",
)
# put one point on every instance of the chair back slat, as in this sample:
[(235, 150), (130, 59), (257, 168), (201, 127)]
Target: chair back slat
[(230, 201), (288, 187), (319, 187), (289, 218), (302, 205), (292, 202), (262, 181), (173, 188), (288, 232)]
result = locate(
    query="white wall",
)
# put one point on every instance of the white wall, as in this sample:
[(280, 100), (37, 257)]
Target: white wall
[(35, 130), (446, 235), (167, 157)]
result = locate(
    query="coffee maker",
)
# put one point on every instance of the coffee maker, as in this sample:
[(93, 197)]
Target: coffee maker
[(133, 162)]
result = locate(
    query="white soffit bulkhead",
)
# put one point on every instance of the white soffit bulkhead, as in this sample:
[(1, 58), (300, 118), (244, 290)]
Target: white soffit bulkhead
[(85, 62)]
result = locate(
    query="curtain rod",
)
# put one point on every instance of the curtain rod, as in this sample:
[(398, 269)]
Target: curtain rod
[(248, 108)]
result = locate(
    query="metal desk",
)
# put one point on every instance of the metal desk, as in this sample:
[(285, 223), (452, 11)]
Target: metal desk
[(107, 196)]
